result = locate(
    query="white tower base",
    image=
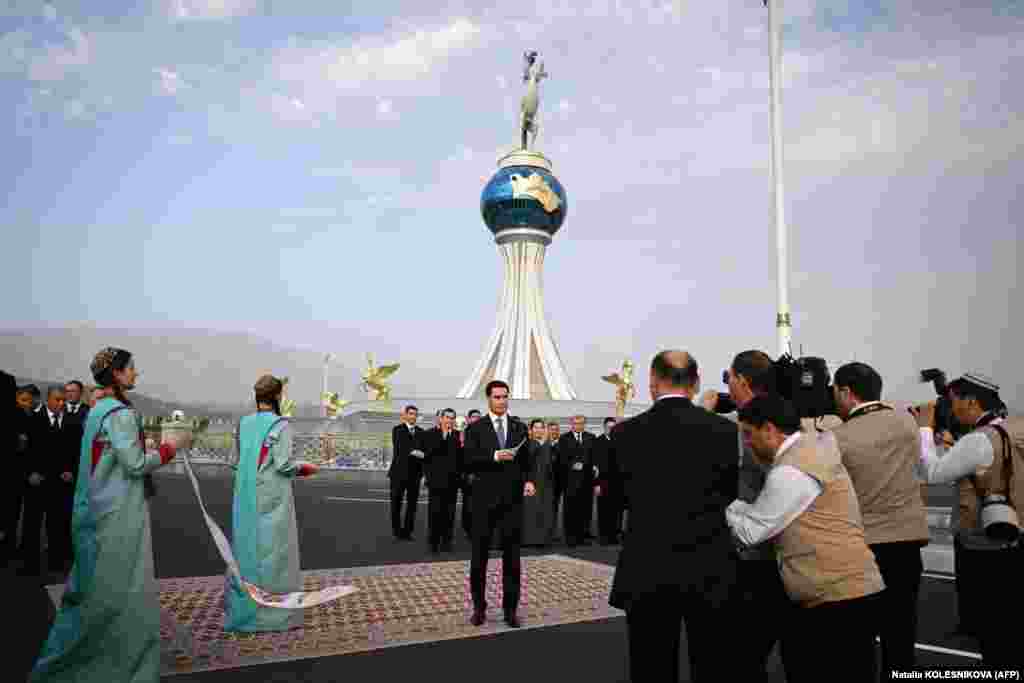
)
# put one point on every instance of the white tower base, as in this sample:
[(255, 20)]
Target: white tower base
[(521, 350)]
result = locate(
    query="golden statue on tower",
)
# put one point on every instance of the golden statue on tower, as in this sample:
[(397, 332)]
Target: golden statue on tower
[(625, 390)]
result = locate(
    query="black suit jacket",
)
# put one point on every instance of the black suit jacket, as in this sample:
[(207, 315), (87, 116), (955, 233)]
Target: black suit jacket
[(54, 451), (403, 465), (679, 468), (443, 460), (572, 454), (495, 480), (605, 462)]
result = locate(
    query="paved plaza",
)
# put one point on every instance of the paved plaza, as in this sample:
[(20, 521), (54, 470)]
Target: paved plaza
[(410, 617)]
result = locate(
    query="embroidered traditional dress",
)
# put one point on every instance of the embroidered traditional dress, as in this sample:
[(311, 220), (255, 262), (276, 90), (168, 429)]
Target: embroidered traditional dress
[(264, 536), (108, 625)]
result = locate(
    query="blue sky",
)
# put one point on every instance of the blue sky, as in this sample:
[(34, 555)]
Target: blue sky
[(310, 171)]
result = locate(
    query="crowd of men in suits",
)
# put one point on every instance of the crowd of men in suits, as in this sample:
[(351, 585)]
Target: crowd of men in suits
[(46, 442), (585, 476)]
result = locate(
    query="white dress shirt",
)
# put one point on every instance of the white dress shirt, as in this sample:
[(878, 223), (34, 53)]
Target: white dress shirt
[(787, 494), (504, 424), (962, 460), (54, 417)]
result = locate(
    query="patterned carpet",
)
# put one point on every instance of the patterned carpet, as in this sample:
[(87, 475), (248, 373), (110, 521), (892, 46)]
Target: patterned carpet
[(396, 605)]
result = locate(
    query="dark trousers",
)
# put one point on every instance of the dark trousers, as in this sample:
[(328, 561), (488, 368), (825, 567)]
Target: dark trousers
[(998, 640), (441, 515), (964, 562), (588, 509), (52, 503), (764, 609), (901, 567), (557, 503), (609, 513), (575, 516), (654, 629), (467, 506), (493, 510), (836, 636), (409, 490), (10, 516)]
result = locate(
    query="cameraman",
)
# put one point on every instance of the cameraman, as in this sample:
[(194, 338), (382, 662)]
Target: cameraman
[(987, 465), (879, 447), (765, 603)]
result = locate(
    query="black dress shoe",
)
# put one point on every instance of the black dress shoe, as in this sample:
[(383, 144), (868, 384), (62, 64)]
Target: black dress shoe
[(512, 620), (479, 617)]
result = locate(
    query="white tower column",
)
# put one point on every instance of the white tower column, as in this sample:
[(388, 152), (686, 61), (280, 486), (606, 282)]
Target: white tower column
[(521, 349)]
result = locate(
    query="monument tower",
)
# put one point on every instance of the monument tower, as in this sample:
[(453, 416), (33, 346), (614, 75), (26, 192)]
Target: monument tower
[(523, 205)]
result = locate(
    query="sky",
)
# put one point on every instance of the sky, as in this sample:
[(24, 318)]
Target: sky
[(308, 172)]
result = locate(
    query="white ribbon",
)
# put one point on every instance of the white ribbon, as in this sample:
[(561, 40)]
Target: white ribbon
[(297, 600)]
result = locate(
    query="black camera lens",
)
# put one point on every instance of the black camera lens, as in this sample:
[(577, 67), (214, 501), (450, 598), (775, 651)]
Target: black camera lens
[(725, 376)]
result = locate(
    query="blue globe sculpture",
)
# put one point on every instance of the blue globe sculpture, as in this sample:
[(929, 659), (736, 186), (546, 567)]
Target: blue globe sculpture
[(503, 211)]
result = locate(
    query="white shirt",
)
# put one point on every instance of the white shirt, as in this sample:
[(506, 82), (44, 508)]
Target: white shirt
[(787, 494), (962, 460), (53, 416), (504, 426)]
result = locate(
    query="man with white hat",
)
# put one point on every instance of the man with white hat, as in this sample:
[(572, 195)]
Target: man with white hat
[(988, 466)]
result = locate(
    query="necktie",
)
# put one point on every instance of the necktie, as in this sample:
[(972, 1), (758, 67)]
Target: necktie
[(501, 432), (579, 439)]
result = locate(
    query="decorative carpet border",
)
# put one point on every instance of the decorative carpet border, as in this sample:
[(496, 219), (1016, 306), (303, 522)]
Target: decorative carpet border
[(396, 605)]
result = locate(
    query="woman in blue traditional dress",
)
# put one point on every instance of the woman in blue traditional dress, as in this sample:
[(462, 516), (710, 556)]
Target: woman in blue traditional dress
[(108, 625), (264, 535)]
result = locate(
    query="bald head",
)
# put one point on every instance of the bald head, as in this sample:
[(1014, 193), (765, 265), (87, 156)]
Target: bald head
[(673, 372)]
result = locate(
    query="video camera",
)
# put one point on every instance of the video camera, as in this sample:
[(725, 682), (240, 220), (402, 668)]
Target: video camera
[(943, 405), (804, 382)]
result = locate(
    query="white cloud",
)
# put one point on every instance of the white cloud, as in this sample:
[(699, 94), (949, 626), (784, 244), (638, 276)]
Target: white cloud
[(170, 81), (209, 10), (372, 65), (58, 60)]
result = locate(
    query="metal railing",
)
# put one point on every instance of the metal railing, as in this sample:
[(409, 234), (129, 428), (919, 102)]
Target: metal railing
[(341, 450)]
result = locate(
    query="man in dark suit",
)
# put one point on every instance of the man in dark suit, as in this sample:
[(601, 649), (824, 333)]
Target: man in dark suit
[(74, 409), (502, 479), (558, 472), (466, 479), (442, 464), (51, 483), (678, 560), (576, 452), (607, 486), (405, 473), (10, 484)]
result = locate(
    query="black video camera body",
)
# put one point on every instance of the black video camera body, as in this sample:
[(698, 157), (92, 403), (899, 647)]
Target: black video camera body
[(804, 382), (944, 421)]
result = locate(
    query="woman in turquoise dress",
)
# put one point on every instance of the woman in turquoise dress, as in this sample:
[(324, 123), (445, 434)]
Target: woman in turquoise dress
[(264, 536), (108, 625)]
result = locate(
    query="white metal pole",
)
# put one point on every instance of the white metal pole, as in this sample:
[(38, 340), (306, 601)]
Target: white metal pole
[(323, 404), (783, 323)]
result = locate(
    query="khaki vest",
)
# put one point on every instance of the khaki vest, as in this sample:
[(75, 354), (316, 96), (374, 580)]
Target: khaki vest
[(822, 554), (988, 480), (879, 451)]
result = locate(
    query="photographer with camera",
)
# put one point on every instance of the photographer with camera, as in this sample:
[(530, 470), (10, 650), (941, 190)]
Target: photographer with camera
[(879, 447), (752, 374), (988, 466)]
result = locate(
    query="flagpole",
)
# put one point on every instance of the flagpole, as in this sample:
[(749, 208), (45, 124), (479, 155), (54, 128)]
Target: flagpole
[(783, 322), (323, 404)]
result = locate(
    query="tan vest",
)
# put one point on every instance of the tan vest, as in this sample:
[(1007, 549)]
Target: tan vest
[(822, 554), (992, 479), (879, 450)]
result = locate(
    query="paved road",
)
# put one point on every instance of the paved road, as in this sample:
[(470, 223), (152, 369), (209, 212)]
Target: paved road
[(345, 524)]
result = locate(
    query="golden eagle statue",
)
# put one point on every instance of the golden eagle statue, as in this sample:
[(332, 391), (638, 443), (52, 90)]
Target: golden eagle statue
[(624, 387), (373, 379), (333, 403)]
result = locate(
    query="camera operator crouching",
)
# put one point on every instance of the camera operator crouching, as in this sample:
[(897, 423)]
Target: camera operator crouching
[(879, 447), (764, 604), (809, 511), (988, 466)]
